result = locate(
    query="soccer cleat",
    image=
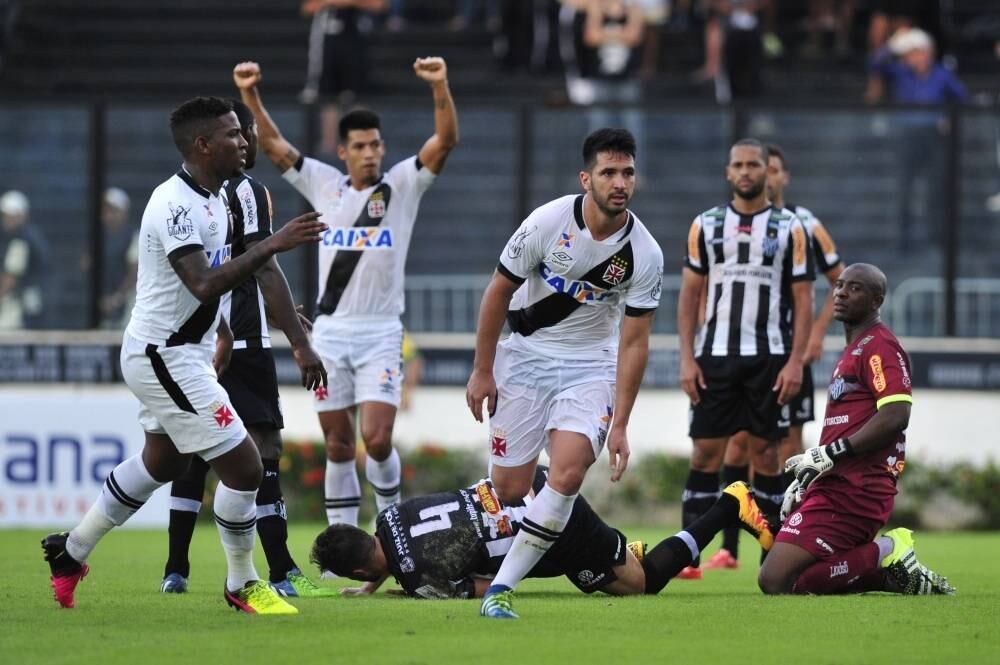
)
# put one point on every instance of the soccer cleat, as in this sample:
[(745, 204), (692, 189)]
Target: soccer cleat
[(722, 559), (66, 571), (638, 549), (174, 583), (498, 604), (751, 519), (912, 577), (298, 585), (257, 597), (689, 573), (328, 575)]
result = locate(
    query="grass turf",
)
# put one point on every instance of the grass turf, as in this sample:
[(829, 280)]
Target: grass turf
[(122, 618)]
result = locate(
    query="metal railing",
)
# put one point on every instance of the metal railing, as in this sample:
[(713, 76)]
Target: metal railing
[(917, 306)]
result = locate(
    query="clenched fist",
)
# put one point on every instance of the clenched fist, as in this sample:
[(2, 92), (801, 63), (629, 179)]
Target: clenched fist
[(431, 70), (246, 75)]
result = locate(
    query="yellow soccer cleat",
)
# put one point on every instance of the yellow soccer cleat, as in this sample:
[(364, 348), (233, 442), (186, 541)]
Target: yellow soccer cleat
[(751, 519), (257, 597)]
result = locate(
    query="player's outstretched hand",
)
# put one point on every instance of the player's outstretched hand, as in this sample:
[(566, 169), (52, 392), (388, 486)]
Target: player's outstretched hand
[(481, 386), (302, 230), (356, 591), (431, 69), (789, 381), (246, 75), (311, 367), (618, 452), (304, 320), (692, 380)]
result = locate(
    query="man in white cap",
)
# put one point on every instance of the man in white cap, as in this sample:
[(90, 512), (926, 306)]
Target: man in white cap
[(23, 260), (907, 65), (121, 258)]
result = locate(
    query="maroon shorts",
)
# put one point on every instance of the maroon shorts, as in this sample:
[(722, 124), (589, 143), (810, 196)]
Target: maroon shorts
[(823, 528)]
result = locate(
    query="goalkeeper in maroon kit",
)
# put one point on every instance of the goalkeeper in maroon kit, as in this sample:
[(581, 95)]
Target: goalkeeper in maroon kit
[(844, 488)]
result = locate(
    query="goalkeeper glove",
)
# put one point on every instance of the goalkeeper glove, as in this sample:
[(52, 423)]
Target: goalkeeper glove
[(793, 497), (816, 461)]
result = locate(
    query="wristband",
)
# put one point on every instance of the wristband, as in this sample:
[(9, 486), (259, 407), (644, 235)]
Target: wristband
[(840, 449)]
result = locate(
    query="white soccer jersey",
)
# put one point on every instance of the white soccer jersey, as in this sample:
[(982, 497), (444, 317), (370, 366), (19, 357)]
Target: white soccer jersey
[(573, 288), (180, 213), (824, 249), (363, 253), (751, 262)]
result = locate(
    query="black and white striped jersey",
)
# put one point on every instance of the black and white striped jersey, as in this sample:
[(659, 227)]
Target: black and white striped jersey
[(180, 214), (574, 288), (243, 307), (751, 262), (363, 252), (824, 249)]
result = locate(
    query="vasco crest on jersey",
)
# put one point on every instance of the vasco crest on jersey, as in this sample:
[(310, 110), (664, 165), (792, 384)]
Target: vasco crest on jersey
[(376, 205), (178, 225)]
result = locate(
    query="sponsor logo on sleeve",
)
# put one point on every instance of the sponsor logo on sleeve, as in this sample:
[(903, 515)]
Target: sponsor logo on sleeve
[(516, 245), (799, 256), (878, 376), (902, 368), (488, 499), (179, 226)]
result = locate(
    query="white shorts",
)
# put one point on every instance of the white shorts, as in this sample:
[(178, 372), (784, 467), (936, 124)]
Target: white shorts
[(536, 394), (181, 397), (363, 362)]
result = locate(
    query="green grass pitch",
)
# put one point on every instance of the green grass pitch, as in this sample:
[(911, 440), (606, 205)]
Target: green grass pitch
[(122, 618)]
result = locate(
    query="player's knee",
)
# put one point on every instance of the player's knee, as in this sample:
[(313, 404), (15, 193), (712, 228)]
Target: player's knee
[(567, 481), (378, 443), (339, 449), (705, 459), (511, 490), (773, 582)]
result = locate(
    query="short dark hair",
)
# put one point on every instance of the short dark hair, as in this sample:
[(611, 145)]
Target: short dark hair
[(607, 140), (196, 117), (243, 114), (774, 150), (764, 152), (342, 549), (358, 119)]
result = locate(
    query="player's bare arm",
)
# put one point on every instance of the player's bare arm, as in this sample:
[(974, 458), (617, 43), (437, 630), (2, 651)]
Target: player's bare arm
[(281, 309), (247, 77), (822, 323), (633, 352), (790, 378), (206, 283), (365, 589), (688, 304), (435, 151), (492, 314)]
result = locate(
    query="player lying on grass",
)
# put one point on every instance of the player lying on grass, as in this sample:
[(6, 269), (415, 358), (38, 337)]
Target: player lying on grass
[(450, 544), (844, 488)]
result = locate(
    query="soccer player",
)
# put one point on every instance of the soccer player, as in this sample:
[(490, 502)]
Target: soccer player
[(246, 371), (736, 465), (566, 378), (448, 545), (358, 332), (746, 363), (185, 267), (843, 489)]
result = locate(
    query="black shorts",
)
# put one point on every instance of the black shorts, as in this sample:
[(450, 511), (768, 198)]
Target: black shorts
[(345, 67), (739, 397), (252, 384), (802, 408)]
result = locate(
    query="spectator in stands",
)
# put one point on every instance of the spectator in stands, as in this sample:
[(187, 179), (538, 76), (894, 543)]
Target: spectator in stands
[(733, 35), (655, 14), (891, 16), (24, 258), (603, 62), (825, 17), (906, 64), (120, 259), (467, 11), (338, 68)]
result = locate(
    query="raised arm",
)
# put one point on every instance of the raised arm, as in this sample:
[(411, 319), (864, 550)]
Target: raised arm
[(435, 151), (284, 155), (207, 283)]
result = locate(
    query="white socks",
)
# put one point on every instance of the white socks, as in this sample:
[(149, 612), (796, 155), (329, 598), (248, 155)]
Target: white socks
[(542, 524), (343, 493), (236, 517), (384, 479), (124, 492)]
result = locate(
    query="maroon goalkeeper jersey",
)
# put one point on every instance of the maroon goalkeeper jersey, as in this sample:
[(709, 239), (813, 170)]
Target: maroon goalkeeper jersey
[(872, 371)]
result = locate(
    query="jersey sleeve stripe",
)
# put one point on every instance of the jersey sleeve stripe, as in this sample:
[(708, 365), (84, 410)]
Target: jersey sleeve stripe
[(890, 399), (506, 272)]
